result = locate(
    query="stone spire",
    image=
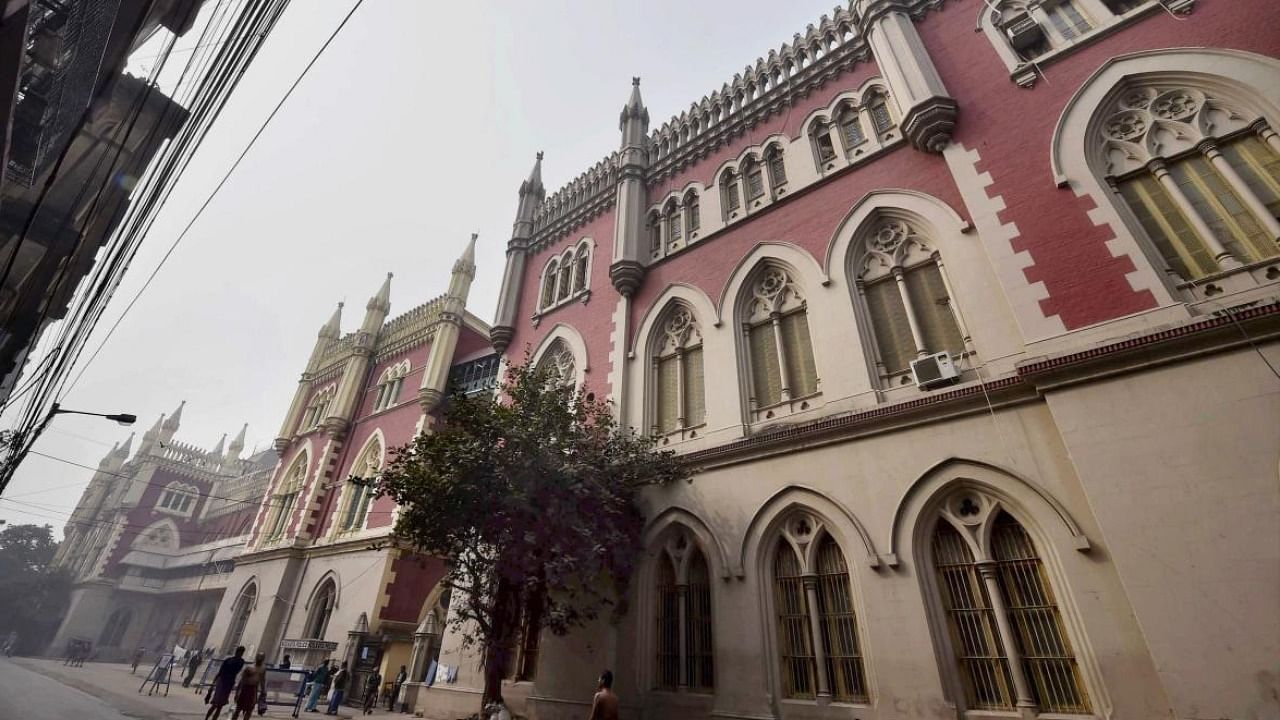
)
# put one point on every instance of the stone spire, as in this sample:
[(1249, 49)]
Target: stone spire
[(120, 455), (532, 194), (376, 311), (150, 437), (329, 332), (435, 375), (237, 444), (634, 120), (219, 449), (627, 269), (105, 462), (381, 301), (172, 423)]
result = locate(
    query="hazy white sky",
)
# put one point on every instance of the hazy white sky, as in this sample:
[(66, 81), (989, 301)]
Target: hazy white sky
[(412, 131)]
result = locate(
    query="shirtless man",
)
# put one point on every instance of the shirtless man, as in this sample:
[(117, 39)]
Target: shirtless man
[(605, 704)]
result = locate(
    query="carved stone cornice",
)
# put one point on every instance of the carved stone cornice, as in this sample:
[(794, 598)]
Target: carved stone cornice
[(500, 337), (626, 276)]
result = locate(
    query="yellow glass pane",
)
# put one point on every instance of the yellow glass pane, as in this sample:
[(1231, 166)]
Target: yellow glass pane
[(668, 403), (694, 388), (1167, 227), (1221, 209), (766, 382), (803, 378), (933, 309)]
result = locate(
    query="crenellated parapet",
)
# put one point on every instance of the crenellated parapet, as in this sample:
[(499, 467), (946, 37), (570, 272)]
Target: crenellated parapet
[(577, 203)]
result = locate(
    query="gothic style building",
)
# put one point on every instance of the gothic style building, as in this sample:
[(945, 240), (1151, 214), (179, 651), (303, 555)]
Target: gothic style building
[(154, 538), (966, 314), (314, 581)]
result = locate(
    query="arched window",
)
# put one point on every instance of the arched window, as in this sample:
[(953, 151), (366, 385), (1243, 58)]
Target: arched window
[(1006, 631), (730, 196), (817, 628), (823, 147), (1200, 173), (775, 328), (677, 380), (321, 610), (851, 132), (286, 497), (178, 498), (881, 116), (318, 409), (906, 295), (655, 234), (558, 363), (361, 488), (117, 625), (685, 655), (692, 214), (389, 385), (773, 158), (754, 176), (240, 617), (563, 285), (549, 279), (1031, 30), (671, 217), (581, 266)]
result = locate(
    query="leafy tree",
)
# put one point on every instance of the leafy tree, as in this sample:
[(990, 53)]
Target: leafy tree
[(33, 594), (530, 499)]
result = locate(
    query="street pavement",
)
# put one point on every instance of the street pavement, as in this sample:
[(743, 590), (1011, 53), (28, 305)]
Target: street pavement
[(37, 689), (28, 695)]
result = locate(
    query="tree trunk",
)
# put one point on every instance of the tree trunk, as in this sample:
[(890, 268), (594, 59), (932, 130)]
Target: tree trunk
[(497, 652)]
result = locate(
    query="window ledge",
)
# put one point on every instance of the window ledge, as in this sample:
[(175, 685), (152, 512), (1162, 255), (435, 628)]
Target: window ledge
[(784, 408), (1026, 73), (681, 434), (580, 296), (1226, 282)]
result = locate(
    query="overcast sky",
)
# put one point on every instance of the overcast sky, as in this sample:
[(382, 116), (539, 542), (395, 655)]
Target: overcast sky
[(413, 130)]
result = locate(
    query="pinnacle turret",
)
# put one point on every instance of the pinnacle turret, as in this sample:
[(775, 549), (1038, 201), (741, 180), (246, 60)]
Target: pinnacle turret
[(126, 448), (466, 263), (106, 459), (237, 444), (381, 301), (333, 328), (534, 183), (219, 449), (174, 421), (634, 120)]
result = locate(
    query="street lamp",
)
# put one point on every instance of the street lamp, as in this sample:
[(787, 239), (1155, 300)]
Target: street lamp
[(24, 443)]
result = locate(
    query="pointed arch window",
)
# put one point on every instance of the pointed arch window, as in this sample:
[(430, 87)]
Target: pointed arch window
[(677, 380), (549, 279), (322, 604), (774, 159), (906, 294), (566, 276), (754, 174), (818, 637), (823, 147), (581, 266), (878, 108), (775, 328), (692, 214), (563, 281), (731, 198), (671, 217), (1200, 174), (655, 234), (240, 617), (286, 497), (361, 488), (559, 365), (684, 652), (389, 386), (1006, 630), (178, 498), (851, 131), (318, 409)]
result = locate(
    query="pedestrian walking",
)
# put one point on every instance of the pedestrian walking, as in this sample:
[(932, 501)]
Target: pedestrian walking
[(604, 706), (284, 664), (371, 686), (319, 685), (220, 689), (137, 658), (251, 679), (339, 689), (192, 666), (401, 678)]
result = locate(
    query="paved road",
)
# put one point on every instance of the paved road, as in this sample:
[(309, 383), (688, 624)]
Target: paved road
[(27, 695)]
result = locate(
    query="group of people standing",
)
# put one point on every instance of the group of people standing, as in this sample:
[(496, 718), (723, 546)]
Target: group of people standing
[(245, 681), (245, 684)]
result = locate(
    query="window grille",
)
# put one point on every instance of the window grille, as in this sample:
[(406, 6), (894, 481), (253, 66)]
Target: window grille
[(802, 375), (880, 116), (580, 267), (673, 224), (1046, 653), (692, 213), (668, 394), (975, 639), (795, 639), (822, 140), (729, 187), (1068, 20), (694, 387), (766, 379), (932, 307), (549, 285), (321, 610), (851, 126), (839, 627), (562, 284), (668, 635), (755, 182), (655, 234), (700, 658)]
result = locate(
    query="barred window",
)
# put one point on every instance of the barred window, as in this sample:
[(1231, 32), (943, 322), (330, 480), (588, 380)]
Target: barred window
[(389, 385), (361, 487), (732, 200), (655, 233), (549, 279), (1013, 582), (699, 649), (880, 115), (282, 503), (851, 128), (321, 610), (816, 599), (581, 266), (692, 213), (755, 179), (1067, 19), (823, 147), (903, 287), (668, 618), (672, 215)]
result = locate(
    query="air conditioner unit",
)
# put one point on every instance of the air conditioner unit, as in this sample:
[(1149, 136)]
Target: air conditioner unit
[(1023, 31), (934, 370)]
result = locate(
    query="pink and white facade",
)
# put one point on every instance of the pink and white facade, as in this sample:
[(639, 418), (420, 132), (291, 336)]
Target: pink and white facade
[(313, 581), (1073, 202), (153, 541)]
